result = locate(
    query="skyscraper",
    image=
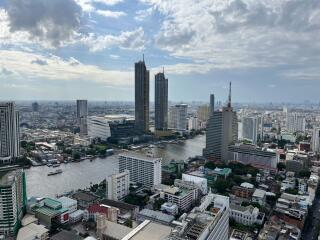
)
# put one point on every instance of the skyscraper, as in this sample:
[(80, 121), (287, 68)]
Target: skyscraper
[(9, 132), (12, 201), (211, 104), (222, 130), (250, 128), (178, 117), (161, 102), (82, 114), (141, 97)]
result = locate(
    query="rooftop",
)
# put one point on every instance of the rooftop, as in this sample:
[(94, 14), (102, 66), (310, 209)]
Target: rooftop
[(117, 204), (139, 156), (84, 196), (65, 235), (157, 215), (31, 231)]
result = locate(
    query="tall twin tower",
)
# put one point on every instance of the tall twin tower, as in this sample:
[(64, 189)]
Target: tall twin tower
[(142, 87)]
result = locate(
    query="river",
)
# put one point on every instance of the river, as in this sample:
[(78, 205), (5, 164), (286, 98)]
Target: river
[(82, 174)]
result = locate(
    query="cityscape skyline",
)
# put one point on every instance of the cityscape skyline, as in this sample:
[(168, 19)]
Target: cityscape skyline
[(92, 51)]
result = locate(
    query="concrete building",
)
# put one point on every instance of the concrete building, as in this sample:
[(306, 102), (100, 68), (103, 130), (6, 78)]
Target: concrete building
[(141, 97), (161, 102), (155, 216), (296, 122), (118, 185), (33, 231), (204, 222), (258, 157), (201, 182), (82, 114), (316, 140), (250, 129), (114, 127), (259, 196), (246, 215), (9, 132), (143, 169), (178, 117), (193, 123), (222, 130), (203, 113), (12, 201), (170, 208)]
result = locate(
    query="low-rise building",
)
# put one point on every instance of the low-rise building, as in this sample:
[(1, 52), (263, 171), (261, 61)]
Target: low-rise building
[(155, 216), (259, 196), (246, 215), (118, 185), (170, 208)]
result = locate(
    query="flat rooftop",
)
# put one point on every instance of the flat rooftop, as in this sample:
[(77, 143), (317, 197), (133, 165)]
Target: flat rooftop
[(140, 156)]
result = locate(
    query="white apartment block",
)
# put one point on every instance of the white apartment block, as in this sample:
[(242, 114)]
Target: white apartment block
[(316, 140), (296, 122), (193, 123), (143, 169), (118, 185), (245, 215)]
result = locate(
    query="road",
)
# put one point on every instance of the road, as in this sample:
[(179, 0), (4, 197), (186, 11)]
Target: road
[(309, 231)]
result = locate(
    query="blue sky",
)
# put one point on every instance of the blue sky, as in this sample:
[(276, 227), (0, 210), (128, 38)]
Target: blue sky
[(68, 49)]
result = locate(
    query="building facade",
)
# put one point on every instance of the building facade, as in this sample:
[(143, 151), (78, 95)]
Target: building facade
[(12, 201), (82, 114), (9, 132), (250, 129), (143, 169), (316, 140), (141, 97), (178, 117), (296, 122), (118, 185), (161, 102)]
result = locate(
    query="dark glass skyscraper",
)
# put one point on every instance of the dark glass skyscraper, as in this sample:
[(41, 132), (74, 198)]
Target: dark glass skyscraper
[(161, 102), (141, 97), (211, 104)]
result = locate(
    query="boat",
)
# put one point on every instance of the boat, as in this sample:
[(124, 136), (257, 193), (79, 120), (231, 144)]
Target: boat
[(49, 165), (58, 171), (56, 165)]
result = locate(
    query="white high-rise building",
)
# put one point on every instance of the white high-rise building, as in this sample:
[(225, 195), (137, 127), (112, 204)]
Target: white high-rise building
[(178, 117), (82, 114), (193, 123), (118, 185), (250, 128), (12, 201), (296, 122), (143, 169), (9, 132), (316, 140)]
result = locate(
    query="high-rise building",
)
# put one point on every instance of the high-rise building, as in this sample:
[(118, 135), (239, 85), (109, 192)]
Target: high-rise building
[(143, 169), (211, 104), (118, 185), (12, 201), (35, 107), (9, 132), (161, 102), (222, 130), (178, 117), (296, 122), (316, 140), (82, 114), (250, 128), (141, 97)]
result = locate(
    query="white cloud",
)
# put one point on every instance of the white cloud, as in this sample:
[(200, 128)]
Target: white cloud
[(143, 14), (239, 33), (109, 2), (130, 40), (113, 56), (58, 69), (111, 14)]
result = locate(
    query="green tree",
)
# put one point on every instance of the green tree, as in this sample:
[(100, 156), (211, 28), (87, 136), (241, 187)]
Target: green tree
[(281, 166)]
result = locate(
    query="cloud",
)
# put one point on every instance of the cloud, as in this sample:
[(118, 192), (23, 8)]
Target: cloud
[(39, 62), (109, 2), (130, 40), (58, 69), (143, 14), (113, 56), (5, 72), (51, 22), (239, 33), (111, 14)]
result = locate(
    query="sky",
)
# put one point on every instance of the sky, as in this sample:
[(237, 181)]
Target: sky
[(69, 49)]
